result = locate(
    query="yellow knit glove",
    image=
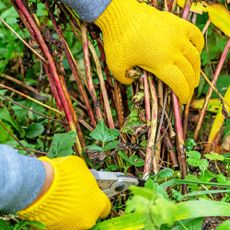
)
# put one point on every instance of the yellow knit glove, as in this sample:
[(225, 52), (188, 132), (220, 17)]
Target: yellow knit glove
[(74, 200), (136, 34)]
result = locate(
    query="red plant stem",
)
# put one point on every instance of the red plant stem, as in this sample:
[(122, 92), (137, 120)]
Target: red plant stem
[(210, 91), (51, 64), (177, 115), (53, 89), (180, 136), (73, 66), (79, 138), (91, 88), (186, 116), (170, 150), (187, 9), (50, 67), (147, 98)]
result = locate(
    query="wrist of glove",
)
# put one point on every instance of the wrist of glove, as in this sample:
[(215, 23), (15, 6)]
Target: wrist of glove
[(136, 34), (73, 201)]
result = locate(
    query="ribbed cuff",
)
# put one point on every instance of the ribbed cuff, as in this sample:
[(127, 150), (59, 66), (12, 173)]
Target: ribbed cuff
[(88, 10), (21, 179), (73, 196)]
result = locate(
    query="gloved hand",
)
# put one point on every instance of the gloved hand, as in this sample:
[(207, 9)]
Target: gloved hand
[(73, 201), (136, 34)]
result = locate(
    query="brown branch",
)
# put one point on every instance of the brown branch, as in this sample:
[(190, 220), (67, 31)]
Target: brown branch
[(210, 91)]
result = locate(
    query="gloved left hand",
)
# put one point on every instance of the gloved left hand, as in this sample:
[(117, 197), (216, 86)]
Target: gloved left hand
[(73, 201)]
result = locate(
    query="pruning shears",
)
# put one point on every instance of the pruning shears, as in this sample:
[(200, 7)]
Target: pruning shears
[(114, 183)]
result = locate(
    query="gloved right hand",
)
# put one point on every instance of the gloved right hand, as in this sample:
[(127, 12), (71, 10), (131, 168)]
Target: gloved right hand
[(136, 34), (73, 201)]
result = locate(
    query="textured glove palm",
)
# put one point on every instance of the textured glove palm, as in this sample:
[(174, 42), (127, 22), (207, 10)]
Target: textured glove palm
[(73, 201), (136, 34)]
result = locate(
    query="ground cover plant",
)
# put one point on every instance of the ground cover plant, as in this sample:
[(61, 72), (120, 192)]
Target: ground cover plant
[(75, 106)]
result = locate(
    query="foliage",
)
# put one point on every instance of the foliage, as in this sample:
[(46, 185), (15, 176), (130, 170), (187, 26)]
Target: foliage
[(62, 144), (22, 225), (105, 136), (149, 209)]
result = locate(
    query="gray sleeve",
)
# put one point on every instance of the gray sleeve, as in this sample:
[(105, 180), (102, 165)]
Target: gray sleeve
[(21, 179), (88, 10)]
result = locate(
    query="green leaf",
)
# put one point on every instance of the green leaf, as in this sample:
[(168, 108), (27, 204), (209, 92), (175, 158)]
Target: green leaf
[(201, 208), (136, 161), (190, 144), (112, 167), (94, 148), (206, 192), (165, 173), (5, 136), (177, 195), (191, 224), (103, 133), (26, 224), (194, 162), (111, 145), (4, 225), (191, 177), (224, 226), (214, 157), (194, 154), (10, 16), (5, 116), (203, 165), (123, 156), (221, 178), (62, 144), (207, 176), (34, 130)]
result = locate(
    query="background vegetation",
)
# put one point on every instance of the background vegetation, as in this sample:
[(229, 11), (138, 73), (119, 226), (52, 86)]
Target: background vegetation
[(134, 129)]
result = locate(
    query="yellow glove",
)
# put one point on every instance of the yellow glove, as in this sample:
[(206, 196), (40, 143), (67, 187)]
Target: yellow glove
[(74, 200), (136, 34)]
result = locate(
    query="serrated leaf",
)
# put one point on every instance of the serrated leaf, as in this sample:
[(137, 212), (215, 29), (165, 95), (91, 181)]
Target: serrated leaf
[(165, 173), (35, 130), (94, 148), (214, 156), (203, 165), (103, 133), (194, 162), (193, 154), (62, 144)]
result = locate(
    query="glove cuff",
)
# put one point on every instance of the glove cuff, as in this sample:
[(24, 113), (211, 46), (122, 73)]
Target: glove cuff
[(70, 198)]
